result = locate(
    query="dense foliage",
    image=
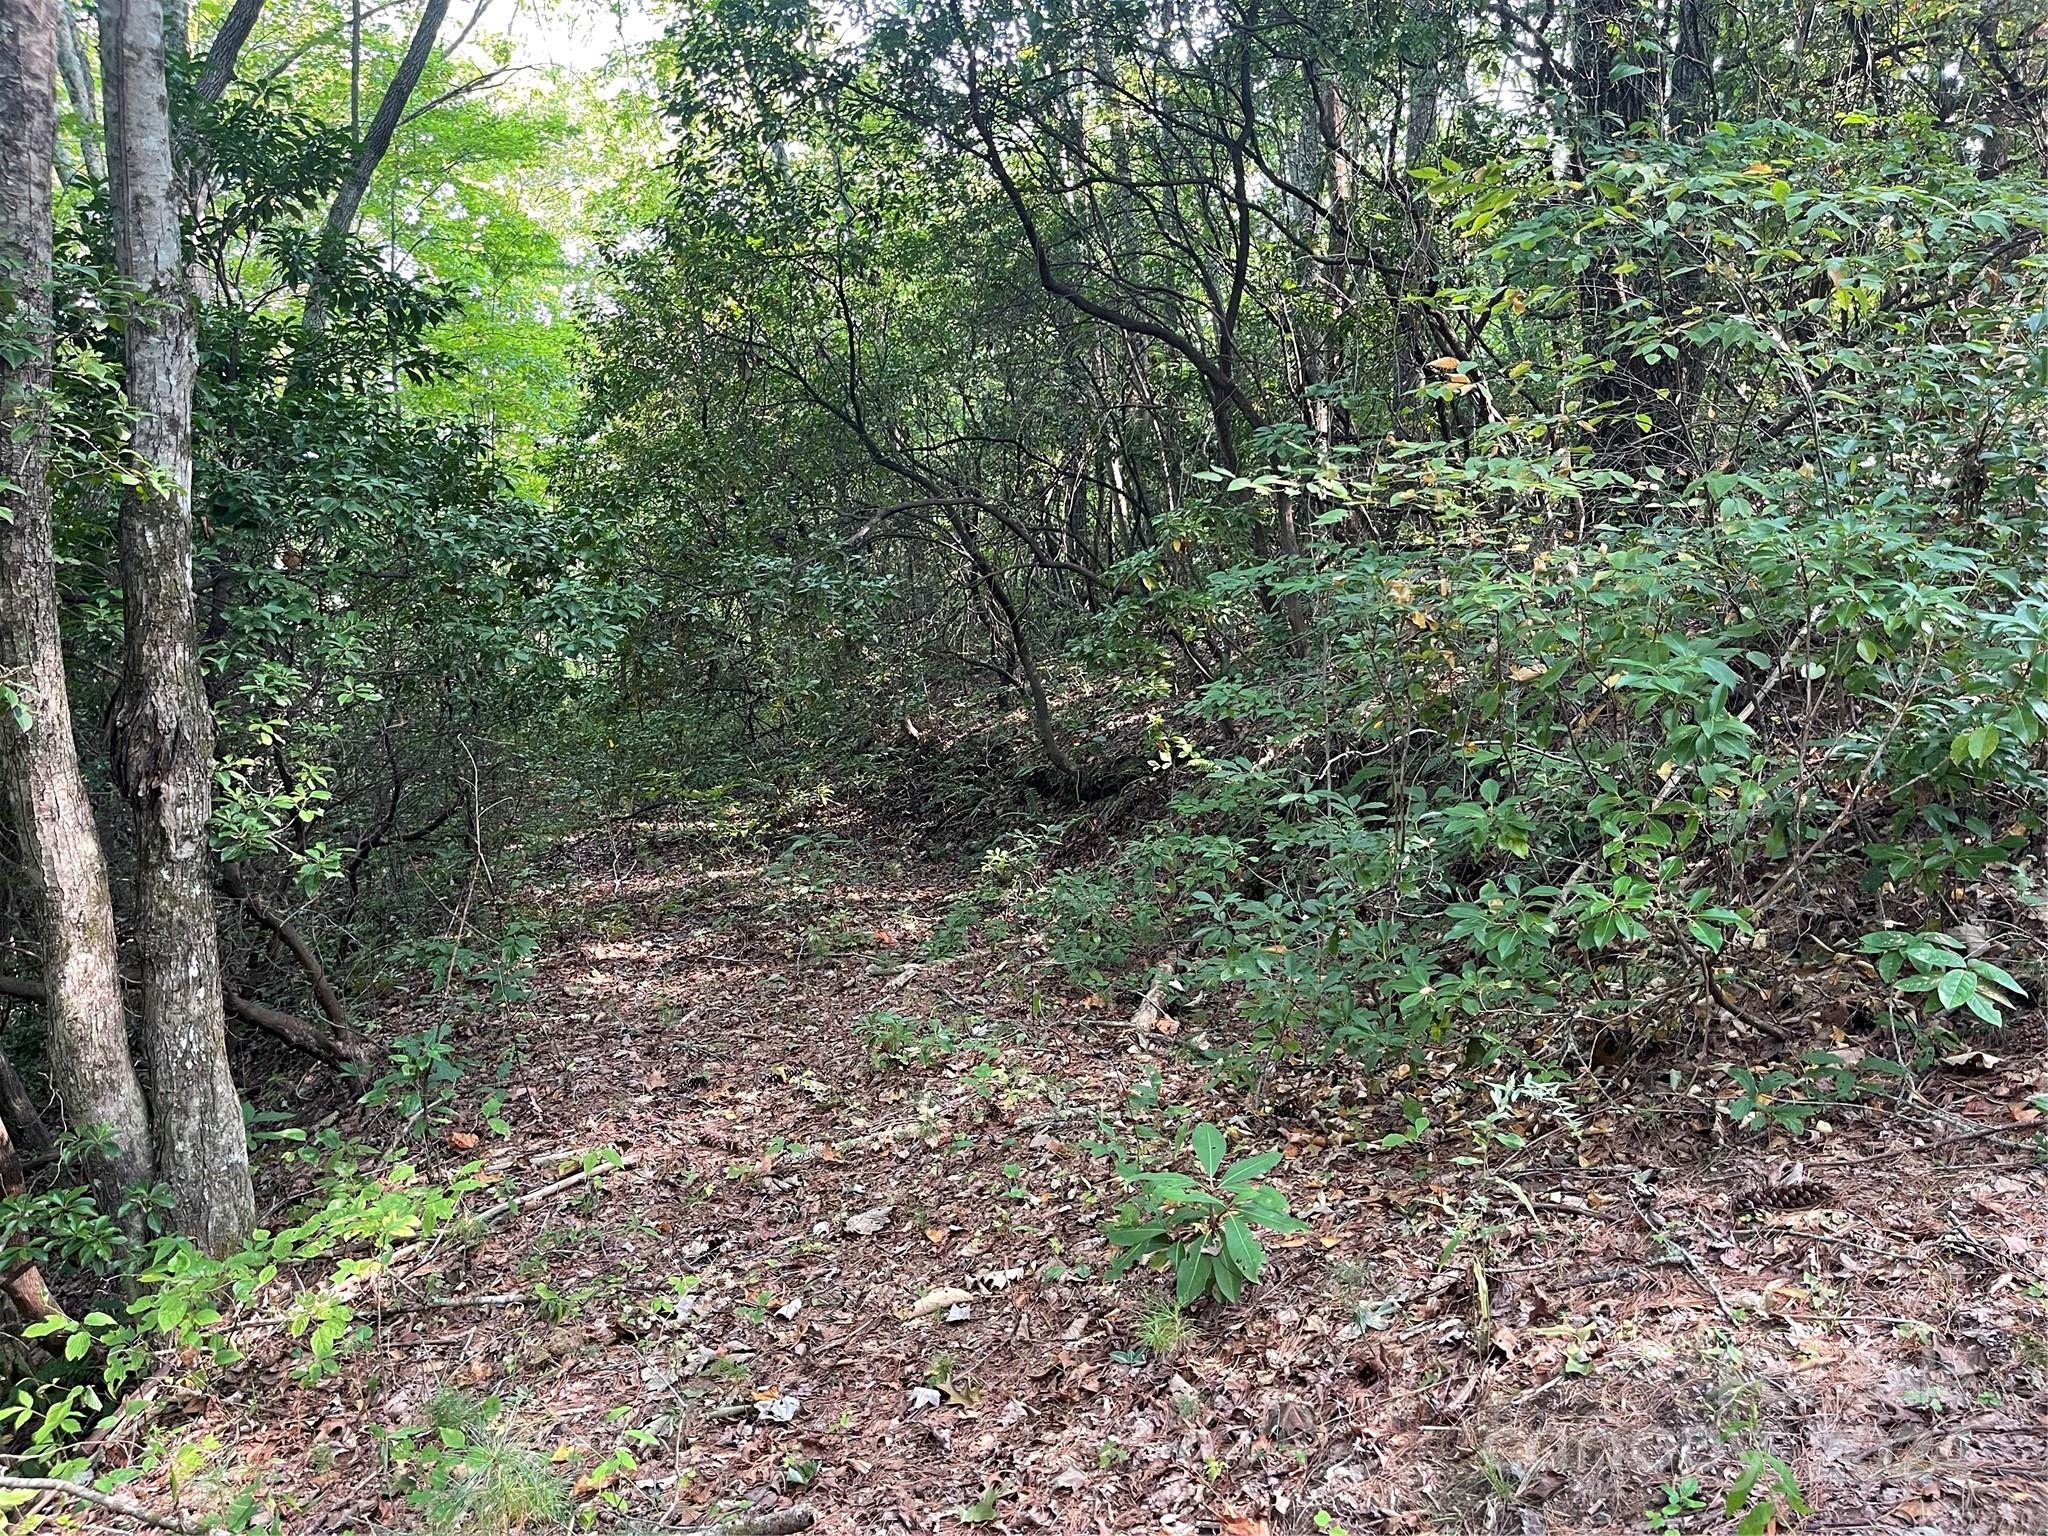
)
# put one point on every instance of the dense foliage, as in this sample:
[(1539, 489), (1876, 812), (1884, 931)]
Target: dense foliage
[(1515, 527), (1550, 500)]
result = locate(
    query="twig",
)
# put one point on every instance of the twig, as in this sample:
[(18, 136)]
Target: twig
[(1978, 1134), (785, 1522), (115, 1504), (1684, 1255)]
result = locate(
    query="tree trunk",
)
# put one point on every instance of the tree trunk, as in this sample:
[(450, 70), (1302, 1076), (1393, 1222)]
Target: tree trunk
[(1638, 416), (341, 217), (1692, 69), (163, 726), (78, 87), (67, 872)]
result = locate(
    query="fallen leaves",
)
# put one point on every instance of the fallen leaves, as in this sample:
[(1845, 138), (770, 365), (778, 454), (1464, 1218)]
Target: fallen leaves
[(946, 1296), (870, 1223)]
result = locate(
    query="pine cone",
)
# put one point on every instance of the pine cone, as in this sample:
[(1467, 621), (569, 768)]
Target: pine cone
[(1797, 1195)]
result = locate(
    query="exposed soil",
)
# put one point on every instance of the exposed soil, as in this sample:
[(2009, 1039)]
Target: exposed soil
[(1474, 1335)]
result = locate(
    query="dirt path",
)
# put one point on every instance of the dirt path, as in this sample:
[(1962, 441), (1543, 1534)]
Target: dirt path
[(824, 1126)]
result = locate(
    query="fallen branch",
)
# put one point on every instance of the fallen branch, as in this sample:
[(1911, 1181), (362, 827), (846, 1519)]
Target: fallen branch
[(114, 1504), (337, 1047), (324, 995), (1979, 1134), (785, 1522)]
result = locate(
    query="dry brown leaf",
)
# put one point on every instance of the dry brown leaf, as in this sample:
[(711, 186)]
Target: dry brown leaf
[(936, 1301)]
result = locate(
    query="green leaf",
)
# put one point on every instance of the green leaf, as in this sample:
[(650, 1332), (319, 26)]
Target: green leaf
[(1241, 1248), (1191, 1277), (1228, 1282), (1956, 988), (1740, 1490), (1132, 1237), (1984, 968), (983, 1509), (1245, 1169), (1273, 1220), (1209, 1148)]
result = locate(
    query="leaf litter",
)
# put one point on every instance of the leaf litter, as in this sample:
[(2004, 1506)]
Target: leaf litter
[(884, 1278)]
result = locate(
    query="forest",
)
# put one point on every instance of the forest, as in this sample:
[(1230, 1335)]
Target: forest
[(1205, 767)]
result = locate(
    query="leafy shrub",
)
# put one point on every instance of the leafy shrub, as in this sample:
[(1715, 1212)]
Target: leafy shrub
[(1204, 1231), (1941, 968)]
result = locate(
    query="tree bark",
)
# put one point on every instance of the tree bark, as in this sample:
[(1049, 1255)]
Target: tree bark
[(1691, 107), (162, 723), (67, 872), (226, 48)]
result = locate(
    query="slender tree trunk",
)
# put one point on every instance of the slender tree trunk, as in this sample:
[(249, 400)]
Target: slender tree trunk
[(1615, 88), (78, 88), (376, 142), (67, 872), (163, 726), (1692, 69)]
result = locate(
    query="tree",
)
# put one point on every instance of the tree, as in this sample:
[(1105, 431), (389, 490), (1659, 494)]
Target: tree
[(376, 143), (163, 723), (45, 787)]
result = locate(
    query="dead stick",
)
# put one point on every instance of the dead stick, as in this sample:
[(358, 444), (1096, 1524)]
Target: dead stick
[(1684, 1255), (112, 1503), (784, 1523), (1933, 1146), (324, 995)]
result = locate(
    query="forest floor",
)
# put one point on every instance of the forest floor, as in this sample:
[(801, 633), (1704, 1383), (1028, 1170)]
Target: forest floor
[(859, 1268)]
